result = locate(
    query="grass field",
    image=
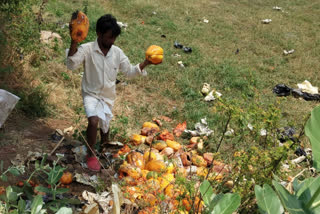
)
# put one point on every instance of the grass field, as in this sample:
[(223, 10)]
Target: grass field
[(234, 52)]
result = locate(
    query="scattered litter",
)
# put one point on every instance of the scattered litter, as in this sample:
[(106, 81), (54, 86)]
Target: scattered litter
[(87, 179), (177, 45), (306, 86), (80, 153), (201, 128), (116, 143), (184, 48), (277, 8), (163, 36), (300, 152), (68, 130), (237, 51), (212, 96), (205, 20), (48, 36), (286, 166), (57, 135), (283, 90), (308, 151), (181, 64), (187, 49), (298, 160), (122, 25), (263, 132), (7, 103), (18, 160), (287, 133), (104, 200), (285, 52), (154, 13), (250, 126), (266, 21), (205, 89), (229, 132), (33, 156)]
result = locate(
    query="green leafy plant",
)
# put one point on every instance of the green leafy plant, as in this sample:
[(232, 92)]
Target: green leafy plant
[(312, 131), (15, 196), (306, 194), (267, 200), (220, 203)]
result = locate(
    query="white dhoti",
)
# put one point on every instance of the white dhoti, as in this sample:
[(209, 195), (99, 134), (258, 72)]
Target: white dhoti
[(97, 107)]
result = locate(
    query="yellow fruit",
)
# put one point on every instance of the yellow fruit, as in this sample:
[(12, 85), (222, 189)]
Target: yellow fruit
[(169, 190), (150, 125), (79, 26), (149, 156), (154, 54), (135, 159), (137, 139), (170, 168), (198, 160), (155, 165), (128, 170), (159, 145), (173, 144)]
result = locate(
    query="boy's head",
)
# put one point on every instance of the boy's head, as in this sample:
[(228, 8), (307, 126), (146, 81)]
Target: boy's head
[(108, 23)]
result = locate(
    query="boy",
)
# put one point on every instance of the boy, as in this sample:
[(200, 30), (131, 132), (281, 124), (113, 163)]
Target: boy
[(102, 62)]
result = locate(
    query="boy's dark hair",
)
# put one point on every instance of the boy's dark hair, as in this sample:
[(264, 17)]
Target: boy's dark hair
[(108, 22)]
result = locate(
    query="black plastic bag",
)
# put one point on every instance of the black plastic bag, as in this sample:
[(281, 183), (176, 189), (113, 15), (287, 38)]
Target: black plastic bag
[(282, 90)]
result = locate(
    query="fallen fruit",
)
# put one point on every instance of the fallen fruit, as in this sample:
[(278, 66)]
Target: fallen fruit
[(66, 178), (173, 144), (155, 165)]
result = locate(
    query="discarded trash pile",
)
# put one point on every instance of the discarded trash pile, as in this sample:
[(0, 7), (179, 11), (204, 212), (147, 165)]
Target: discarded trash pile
[(305, 90), (149, 177)]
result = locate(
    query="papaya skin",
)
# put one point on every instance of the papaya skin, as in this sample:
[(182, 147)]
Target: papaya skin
[(79, 26), (154, 54)]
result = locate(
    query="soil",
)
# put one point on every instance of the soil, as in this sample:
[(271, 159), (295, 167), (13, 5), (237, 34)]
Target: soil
[(21, 135)]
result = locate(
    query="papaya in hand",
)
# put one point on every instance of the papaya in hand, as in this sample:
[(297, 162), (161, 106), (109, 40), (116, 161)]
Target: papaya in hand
[(79, 26)]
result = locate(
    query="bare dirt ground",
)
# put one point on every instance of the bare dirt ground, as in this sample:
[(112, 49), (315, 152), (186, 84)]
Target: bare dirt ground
[(21, 135)]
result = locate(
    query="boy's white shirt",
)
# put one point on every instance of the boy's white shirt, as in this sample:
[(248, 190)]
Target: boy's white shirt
[(100, 72)]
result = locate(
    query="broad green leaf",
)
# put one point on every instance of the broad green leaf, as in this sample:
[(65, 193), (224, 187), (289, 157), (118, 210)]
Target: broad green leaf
[(206, 192), (308, 189), (36, 206), (43, 189), (296, 185), (4, 178), (267, 200), (14, 171), (21, 205), (292, 204), (227, 204), (61, 190), (312, 131), (55, 175), (64, 210), (11, 195)]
